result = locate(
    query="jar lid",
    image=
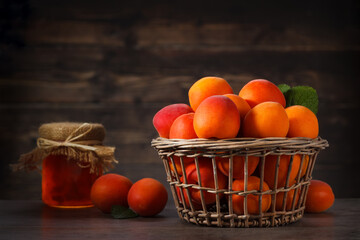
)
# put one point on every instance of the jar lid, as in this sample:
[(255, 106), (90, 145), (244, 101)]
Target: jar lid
[(60, 131)]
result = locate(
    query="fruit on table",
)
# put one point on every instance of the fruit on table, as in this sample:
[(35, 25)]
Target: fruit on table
[(109, 190), (238, 165), (302, 122), (206, 87), (267, 119), (320, 197), (252, 200), (147, 197), (207, 180), (270, 167), (261, 90), (164, 118), (217, 117), (183, 127)]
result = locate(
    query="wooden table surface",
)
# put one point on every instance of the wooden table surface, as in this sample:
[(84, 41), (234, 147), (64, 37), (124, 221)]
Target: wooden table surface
[(34, 220)]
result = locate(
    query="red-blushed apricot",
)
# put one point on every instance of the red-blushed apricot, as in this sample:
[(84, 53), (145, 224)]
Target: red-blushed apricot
[(183, 127), (147, 197), (267, 119), (207, 180), (238, 165), (289, 200), (261, 90), (195, 205), (320, 197), (283, 168), (242, 106), (206, 87), (303, 122), (186, 161), (165, 117), (217, 117), (252, 200), (109, 190)]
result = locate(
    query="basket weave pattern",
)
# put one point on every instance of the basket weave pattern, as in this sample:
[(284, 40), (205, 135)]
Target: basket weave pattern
[(221, 213)]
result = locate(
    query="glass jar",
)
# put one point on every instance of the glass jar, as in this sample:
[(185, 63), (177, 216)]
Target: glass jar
[(72, 157), (65, 184)]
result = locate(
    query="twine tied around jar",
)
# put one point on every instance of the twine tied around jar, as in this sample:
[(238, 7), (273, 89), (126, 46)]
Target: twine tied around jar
[(79, 142)]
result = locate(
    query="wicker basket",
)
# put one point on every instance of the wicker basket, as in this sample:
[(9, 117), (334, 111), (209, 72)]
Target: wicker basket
[(221, 212)]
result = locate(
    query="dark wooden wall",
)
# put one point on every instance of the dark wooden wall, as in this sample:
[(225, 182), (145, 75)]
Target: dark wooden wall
[(118, 62)]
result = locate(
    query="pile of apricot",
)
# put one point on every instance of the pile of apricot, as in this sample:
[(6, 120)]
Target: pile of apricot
[(258, 111)]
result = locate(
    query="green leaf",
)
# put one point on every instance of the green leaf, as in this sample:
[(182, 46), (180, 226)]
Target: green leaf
[(284, 88), (122, 212), (302, 95)]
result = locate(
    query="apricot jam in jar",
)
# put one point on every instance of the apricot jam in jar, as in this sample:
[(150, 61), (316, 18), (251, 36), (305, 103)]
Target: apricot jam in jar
[(72, 157)]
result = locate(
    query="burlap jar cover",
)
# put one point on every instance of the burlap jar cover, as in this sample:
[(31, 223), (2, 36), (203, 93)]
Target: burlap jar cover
[(82, 142)]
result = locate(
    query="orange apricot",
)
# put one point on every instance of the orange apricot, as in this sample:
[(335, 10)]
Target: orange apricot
[(166, 116), (206, 87), (267, 119), (238, 165), (303, 122), (320, 197), (217, 117), (183, 127), (252, 200), (271, 164), (261, 90), (242, 106), (109, 190), (289, 200)]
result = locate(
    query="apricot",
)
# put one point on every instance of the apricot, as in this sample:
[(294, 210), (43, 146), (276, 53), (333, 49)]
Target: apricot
[(207, 180), (320, 197), (186, 161), (238, 165), (242, 106), (261, 90), (183, 127), (304, 166), (252, 200), (147, 197), (217, 117), (109, 190), (303, 122), (206, 87), (195, 205), (267, 119), (289, 200), (165, 117), (271, 164)]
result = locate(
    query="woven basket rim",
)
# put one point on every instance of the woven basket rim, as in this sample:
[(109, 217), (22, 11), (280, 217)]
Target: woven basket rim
[(236, 143)]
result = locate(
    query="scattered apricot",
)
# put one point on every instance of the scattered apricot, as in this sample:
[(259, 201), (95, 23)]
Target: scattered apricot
[(261, 90), (302, 122), (206, 87), (320, 197), (217, 117), (267, 119), (252, 200), (147, 197), (109, 190)]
